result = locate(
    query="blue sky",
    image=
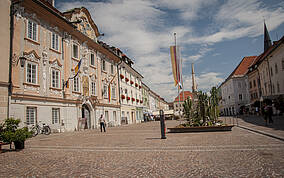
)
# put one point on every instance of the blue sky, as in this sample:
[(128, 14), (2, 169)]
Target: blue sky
[(213, 34)]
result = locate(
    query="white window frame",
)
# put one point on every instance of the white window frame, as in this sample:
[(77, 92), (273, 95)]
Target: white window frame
[(32, 73), (55, 83), (105, 91), (76, 57), (32, 33), (103, 65), (54, 42), (76, 84), (31, 113), (92, 61), (93, 88), (111, 68), (55, 116)]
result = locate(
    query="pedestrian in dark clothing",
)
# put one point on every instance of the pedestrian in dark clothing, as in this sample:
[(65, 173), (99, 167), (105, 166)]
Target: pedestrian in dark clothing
[(102, 123), (265, 113), (269, 114)]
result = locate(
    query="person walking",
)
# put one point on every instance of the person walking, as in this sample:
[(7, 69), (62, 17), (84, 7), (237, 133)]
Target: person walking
[(270, 113), (102, 123)]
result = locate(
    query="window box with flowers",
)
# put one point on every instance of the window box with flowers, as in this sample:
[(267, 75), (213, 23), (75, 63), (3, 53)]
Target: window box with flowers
[(121, 76), (126, 79), (133, 99), (141, 101), (137, 100), (140, 86), (136, 84), (123, 97), (128, 98), (131, 82)]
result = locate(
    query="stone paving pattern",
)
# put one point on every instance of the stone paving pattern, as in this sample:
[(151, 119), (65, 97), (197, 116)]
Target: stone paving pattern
[(137, 151)]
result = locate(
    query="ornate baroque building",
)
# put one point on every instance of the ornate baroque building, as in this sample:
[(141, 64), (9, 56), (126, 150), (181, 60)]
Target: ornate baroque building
[(48, 46)]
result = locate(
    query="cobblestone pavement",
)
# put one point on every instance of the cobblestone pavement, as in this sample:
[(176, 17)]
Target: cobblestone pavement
[(137, 151)]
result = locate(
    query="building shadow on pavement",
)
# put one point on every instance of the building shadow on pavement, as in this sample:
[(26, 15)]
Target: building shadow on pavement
[(278, 121)]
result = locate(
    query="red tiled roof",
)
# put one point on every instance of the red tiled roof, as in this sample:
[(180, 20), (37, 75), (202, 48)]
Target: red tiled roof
[(244, 65), (186, 95)]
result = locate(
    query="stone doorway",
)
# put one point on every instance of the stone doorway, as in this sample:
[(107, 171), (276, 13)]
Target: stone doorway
[(87, 115)]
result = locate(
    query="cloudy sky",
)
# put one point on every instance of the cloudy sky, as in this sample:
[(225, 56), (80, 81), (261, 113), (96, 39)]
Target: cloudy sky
[(213, 34)]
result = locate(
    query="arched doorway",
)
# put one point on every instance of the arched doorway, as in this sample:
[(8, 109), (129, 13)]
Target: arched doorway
[(86, 114)]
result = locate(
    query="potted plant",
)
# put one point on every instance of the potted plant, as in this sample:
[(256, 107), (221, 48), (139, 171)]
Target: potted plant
[(11, 133), (20, 137), (131, 82), (122, 96), (121, 76)]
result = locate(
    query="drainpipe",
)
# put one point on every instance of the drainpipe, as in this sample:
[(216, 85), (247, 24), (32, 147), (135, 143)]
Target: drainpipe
[(11, 53), (118, 76)]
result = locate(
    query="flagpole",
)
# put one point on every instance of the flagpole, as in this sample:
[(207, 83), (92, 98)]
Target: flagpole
[(178, 81), (181, 78)]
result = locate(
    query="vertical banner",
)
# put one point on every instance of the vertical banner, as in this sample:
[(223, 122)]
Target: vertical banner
[(109, 93), (175, 59)]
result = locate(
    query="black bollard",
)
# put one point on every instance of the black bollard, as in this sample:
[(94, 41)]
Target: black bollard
[(163, 127)]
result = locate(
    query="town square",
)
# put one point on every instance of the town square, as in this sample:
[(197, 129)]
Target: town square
[(142, 88)]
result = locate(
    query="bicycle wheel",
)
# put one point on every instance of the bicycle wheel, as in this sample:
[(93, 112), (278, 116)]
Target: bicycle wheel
[(46, 130), (35, 131)]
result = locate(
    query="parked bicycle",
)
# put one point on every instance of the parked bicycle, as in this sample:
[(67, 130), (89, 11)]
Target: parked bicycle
[(36, 129)]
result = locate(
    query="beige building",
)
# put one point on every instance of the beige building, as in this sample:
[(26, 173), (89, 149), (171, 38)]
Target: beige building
[(271, 71), (50, 45), (5, 57)]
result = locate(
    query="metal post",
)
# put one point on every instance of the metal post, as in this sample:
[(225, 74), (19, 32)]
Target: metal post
[(162, 123)]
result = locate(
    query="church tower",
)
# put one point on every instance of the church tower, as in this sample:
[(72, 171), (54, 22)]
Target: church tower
[(194, 87)]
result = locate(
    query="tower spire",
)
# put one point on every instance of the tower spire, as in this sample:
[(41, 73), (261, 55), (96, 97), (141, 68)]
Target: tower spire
[(194, 88), (267, 41)]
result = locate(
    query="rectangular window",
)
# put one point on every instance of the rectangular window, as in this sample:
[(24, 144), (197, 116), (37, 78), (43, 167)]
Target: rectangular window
[(114, 116), (240, 97), (75, 51), (282, 64), (103, 65), (76, 84), (55, 78), (276, 69), (106, 116), (254, 84), (250, 85), (93, 87), (55, 115), (113, 93), (31, 73), (92, 59), (32, 30), (111, 69), (55, 42), (31, 115), (105, 91)]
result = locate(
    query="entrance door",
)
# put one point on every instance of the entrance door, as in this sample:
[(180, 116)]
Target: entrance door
[(86, 114), (133, 118)]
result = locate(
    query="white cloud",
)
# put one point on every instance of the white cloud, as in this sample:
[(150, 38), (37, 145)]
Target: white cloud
[(140, 29), (188, 9), (241, 18)]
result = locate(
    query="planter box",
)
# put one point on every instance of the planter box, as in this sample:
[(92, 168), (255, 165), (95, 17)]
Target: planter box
[(201, 129)]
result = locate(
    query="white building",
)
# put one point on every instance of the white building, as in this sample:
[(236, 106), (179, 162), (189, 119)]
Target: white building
[(234, 89), (131, 92)]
